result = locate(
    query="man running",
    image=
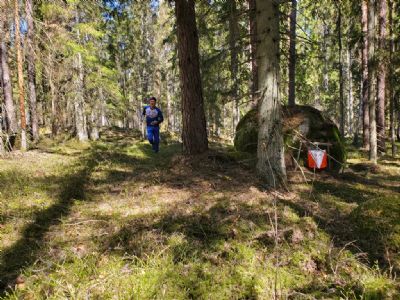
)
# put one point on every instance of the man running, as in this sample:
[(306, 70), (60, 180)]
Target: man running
[(154, 118)]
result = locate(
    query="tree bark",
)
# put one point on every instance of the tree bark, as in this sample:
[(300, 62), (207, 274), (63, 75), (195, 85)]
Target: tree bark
[(365, 83), (350, 111), (79, 104), (2, 148), (95, 120), (381, 84), (12, 124), (194, 133), (325, 47), (31, 70), (234, 67), (54, 119), (270, 150), (341, 81), (373, 151), (170, 117), (253, 51), (21, 91), (292, 54), (392, 95)]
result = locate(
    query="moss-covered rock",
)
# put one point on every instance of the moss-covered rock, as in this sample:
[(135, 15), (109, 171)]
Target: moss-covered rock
[(247, 133), (300, 123)]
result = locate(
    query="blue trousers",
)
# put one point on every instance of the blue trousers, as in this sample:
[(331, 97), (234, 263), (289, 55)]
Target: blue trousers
[(153, 135)]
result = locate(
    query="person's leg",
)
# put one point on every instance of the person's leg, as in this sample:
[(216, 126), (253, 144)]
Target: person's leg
[(156, 134), (150, 134)]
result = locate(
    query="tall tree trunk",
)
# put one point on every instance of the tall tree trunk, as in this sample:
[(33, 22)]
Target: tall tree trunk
[(359, 122), (325, 47), (253, 51), (381, 85), (54, 118), (292, 54), (170, 117), (341, 81), (194, 133), (270, 150), (12, 124), (234, 67), (350, 115), (392, 95), (31, 70), (79, 104), (373, 151), (2, 148), (95, 120), (21, 91), (365, 82)]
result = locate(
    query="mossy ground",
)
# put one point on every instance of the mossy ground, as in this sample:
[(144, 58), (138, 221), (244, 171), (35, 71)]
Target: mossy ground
[(112, 220)]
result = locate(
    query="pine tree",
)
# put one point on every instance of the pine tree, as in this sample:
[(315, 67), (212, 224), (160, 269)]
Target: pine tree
[(11, 123), (253, 50), (194, 134), (30, 57), (21, 90), (270, 153), (373, 151), (292, 54), (381, 83), (365, 82)]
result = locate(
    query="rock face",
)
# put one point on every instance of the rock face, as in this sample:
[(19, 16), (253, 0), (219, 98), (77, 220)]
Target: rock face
[(300, 124)]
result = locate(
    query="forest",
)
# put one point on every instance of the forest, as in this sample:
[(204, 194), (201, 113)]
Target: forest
[(276, 174)]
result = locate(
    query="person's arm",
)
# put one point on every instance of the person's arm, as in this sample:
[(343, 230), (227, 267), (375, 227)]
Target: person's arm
[(144, 111)]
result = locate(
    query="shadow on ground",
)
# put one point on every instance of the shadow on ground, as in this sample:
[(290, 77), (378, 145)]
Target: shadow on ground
[(338, 203), (71, 186), (205, 225), (27, 249)]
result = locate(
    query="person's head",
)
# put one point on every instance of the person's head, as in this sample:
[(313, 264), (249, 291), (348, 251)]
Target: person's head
[(152, 101)]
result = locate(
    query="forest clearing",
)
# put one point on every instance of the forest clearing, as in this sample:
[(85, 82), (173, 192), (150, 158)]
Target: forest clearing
[(182, 149)]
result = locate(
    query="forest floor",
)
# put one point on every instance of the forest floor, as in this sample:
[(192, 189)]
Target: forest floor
[(112, 220)]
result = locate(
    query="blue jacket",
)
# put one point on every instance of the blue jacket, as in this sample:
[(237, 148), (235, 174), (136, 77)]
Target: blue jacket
[(153, 115)]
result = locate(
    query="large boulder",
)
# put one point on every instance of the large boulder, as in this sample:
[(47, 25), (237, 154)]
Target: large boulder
[(300, 123)]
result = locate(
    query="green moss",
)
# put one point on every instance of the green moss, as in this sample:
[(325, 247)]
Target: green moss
[(377, 288), (247, 133), (145, 236), (378, 226)]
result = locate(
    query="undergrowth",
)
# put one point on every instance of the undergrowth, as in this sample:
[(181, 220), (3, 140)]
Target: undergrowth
[(112, 220)]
